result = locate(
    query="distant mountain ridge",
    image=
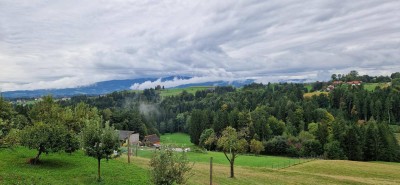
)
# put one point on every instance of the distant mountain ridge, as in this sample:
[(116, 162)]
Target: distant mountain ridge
[(110, 86)]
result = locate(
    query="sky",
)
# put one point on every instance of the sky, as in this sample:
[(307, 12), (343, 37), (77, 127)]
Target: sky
[(68, 43)]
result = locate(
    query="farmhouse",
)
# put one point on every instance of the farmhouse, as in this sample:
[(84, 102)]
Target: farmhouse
[(152, 140), (125, 134)]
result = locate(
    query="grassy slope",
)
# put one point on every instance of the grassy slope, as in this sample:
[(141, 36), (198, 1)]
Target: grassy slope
[(242, 160), (61, 168), (257, 170), (179, 139), (372, 86), (176, 91), (314, 172)]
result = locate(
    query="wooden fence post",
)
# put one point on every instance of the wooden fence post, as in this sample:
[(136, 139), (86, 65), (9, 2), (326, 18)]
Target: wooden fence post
[(211, 166), (129, 149)]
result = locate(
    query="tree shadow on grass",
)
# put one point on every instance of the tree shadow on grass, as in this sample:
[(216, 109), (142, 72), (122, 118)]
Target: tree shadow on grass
[(50, 164)]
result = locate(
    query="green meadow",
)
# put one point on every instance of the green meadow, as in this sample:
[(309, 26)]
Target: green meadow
[(62, 168), (176, 91), (372, 86)]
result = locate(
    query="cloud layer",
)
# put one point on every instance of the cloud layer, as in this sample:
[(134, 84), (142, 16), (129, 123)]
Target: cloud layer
[(57, 44)]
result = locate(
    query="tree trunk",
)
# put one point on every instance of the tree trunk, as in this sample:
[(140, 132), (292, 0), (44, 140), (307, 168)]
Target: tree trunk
[(98, 169), (232, 171), (36, 159)]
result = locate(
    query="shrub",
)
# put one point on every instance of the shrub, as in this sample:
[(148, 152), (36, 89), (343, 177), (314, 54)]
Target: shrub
[(167, 167), (334, 151), (312, 148), (276, 146), (256, 147), (294, 146)]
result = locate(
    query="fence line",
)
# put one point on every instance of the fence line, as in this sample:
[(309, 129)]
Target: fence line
[(294, 162)]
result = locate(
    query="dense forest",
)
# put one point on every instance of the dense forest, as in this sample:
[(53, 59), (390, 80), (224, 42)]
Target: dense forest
[(349, 122)]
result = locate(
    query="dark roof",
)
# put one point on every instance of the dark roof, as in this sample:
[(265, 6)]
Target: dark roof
[(123, 134), (152, 138)]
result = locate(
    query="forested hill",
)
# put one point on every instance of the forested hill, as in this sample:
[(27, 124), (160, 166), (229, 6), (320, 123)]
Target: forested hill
[(106, 87), (349, 122)]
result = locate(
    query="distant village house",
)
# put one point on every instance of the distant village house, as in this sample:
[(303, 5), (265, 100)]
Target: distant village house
[(335, 83), (330, 88)]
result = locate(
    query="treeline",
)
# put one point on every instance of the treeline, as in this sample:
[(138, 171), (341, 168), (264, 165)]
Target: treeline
[(354, 76)]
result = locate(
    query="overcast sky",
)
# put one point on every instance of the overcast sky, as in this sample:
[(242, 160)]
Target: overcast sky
[(68, 43)]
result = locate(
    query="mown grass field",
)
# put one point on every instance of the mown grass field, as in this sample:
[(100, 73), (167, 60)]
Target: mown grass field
[(317, 93), (177, 139), (242, 160), (62, 168), (183, 140), (372, 86), (176, 91), (314, 172)]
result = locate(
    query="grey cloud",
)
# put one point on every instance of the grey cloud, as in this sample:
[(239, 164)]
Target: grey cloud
[(55, 44)]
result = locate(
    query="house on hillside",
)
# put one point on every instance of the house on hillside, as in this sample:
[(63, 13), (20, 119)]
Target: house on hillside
[(354, 83), (124, 135), (337, 82), (152, 140)]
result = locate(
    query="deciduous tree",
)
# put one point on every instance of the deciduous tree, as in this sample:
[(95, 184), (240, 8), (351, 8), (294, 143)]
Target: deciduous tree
[(256, 147), (43, 137), (232, 144)]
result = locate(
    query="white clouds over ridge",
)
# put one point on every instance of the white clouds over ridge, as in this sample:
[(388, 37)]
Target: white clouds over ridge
[(55, 44)]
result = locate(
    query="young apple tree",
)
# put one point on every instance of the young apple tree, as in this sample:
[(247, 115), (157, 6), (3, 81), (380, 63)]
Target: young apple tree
[(98, 141)]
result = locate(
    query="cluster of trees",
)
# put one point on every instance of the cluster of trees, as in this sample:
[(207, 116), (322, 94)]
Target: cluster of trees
[(354, 76), (286, 123), (125, 110)]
